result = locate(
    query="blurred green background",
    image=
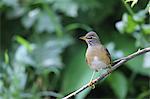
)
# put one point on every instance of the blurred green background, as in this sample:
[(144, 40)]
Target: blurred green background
[(42, 57)]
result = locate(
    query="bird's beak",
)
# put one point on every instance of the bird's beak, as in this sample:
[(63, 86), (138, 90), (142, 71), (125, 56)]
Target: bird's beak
[(82, 38)]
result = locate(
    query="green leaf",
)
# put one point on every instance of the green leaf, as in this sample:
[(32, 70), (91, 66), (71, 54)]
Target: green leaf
[(12, 3), (47, 51), (54, 18), (29, 20), (120, 26), (24, 42), (45, 23), (146, 62), (6, 56), (144, 94), (140, 16), (119, 84), (23, 56), (146, 28), (64, 5), (149, 10), (137, 65), (130, 24), (77, 73), (140, 40), (127, 24)]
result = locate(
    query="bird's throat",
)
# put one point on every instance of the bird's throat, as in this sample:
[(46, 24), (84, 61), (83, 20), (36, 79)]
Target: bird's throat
[(93, 42)]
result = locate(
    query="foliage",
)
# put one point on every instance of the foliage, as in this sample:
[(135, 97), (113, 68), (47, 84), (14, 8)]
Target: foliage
[(41, 55), (133, 2), (120, 85)]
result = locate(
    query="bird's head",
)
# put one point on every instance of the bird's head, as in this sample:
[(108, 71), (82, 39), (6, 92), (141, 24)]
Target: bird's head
[(91, 38)]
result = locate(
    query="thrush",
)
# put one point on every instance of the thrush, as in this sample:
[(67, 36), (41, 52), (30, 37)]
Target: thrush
[(97, 56)]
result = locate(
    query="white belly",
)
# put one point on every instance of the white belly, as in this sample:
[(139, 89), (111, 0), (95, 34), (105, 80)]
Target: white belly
[(97, 64)]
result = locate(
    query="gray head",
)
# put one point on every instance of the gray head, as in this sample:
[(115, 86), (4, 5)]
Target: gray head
[(91, 38)]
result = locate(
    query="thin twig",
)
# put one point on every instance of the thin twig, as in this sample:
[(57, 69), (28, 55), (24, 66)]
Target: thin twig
[(115, 66), (128, 8)]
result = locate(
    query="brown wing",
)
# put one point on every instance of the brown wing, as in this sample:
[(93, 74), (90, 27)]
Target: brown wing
[(108, 54)]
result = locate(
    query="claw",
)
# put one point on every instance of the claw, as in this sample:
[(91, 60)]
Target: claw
[(91, 84)]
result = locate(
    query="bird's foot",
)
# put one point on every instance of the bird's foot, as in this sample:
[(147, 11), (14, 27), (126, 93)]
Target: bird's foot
[(91, 84)]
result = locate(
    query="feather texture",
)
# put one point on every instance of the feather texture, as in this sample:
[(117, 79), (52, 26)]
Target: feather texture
[(99, 55)]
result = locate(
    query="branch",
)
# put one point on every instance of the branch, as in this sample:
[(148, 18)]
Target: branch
[(114, 66)]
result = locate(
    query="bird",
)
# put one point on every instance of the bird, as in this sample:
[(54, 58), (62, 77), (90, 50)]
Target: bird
[(97, 56)]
